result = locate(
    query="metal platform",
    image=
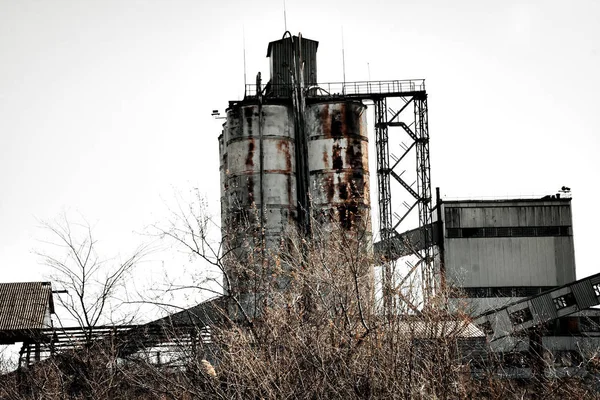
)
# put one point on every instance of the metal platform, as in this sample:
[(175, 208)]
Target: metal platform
[(358, 90)]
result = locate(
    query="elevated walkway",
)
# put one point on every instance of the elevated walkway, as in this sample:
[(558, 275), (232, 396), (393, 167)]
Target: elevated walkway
[(356, 90), (522, 315)]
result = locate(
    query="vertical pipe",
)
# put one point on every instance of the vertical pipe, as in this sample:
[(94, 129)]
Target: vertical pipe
[(343, 64), (261, 156), (385, 212), (440, 240), (244, 39), (284, 18)]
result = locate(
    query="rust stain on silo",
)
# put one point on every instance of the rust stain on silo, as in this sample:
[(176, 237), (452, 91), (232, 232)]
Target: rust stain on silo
[(248, 114), (284, 147), (341, 188), (330, 188), (336, 157), (348, 215), (250, 155), (250, 168), (354, 156), (337, 124), (324, 119)]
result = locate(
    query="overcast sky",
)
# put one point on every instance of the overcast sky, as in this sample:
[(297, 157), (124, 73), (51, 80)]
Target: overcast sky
[(105, 105)]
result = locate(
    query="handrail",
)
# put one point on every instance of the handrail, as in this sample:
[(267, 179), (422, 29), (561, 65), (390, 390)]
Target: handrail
[(329, 89)]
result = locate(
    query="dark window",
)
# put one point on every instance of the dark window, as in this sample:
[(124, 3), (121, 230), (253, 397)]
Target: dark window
[(529, 231), (520, 316), (454, 232), (490, 232), (503, 232), (548, 231), (515, 231), (472, 232), (502, 292), (530, 291), (482, 292), (589, 324), (564, 301)]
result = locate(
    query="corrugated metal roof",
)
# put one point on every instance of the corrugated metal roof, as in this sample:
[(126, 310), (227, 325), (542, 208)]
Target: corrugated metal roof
[(24, 305), (439, 329)]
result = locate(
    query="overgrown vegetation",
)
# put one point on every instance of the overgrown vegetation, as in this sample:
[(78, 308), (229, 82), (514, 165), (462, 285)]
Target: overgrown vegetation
[(301, 321)]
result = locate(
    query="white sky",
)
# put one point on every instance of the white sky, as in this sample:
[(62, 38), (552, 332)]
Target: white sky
[(105, 105)]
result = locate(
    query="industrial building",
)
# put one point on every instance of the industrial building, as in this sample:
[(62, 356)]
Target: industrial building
[(497, 251), (294, 148), (294, 158)]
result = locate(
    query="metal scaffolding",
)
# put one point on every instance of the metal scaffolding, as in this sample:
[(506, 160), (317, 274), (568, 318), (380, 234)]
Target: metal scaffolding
[(390, 224)]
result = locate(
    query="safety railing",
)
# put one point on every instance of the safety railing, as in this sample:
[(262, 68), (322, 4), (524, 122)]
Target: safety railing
[(351, 89)]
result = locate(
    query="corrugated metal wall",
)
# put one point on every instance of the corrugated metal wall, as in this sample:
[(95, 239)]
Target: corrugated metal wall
[(25, 305), (509, 261), (501, 214), (523, 261), (281, 60)]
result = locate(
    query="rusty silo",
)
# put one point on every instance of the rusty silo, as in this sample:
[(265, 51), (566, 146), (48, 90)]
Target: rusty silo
[(289, 161), (338, 162), (258, 164)]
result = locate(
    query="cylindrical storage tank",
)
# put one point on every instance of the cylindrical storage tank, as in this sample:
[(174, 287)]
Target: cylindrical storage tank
[(246, 127), (259, 181), (339, 188), (338, 163)]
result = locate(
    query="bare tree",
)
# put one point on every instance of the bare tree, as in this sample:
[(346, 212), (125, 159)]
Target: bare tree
[(317, 334), (92, 282)]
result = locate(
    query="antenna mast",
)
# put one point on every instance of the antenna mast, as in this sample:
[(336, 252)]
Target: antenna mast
[(343, 63), (244, 39), (284, 18)]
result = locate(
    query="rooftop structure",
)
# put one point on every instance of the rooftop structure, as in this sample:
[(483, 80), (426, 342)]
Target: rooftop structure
[(25, 309)]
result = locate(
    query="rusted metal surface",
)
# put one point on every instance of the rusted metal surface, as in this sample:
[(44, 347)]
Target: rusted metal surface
[(262, 138), (241, 165), (281, 60), (338, 162)]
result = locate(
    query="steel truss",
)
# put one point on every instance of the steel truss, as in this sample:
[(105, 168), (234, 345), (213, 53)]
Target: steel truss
[(420, 197)]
